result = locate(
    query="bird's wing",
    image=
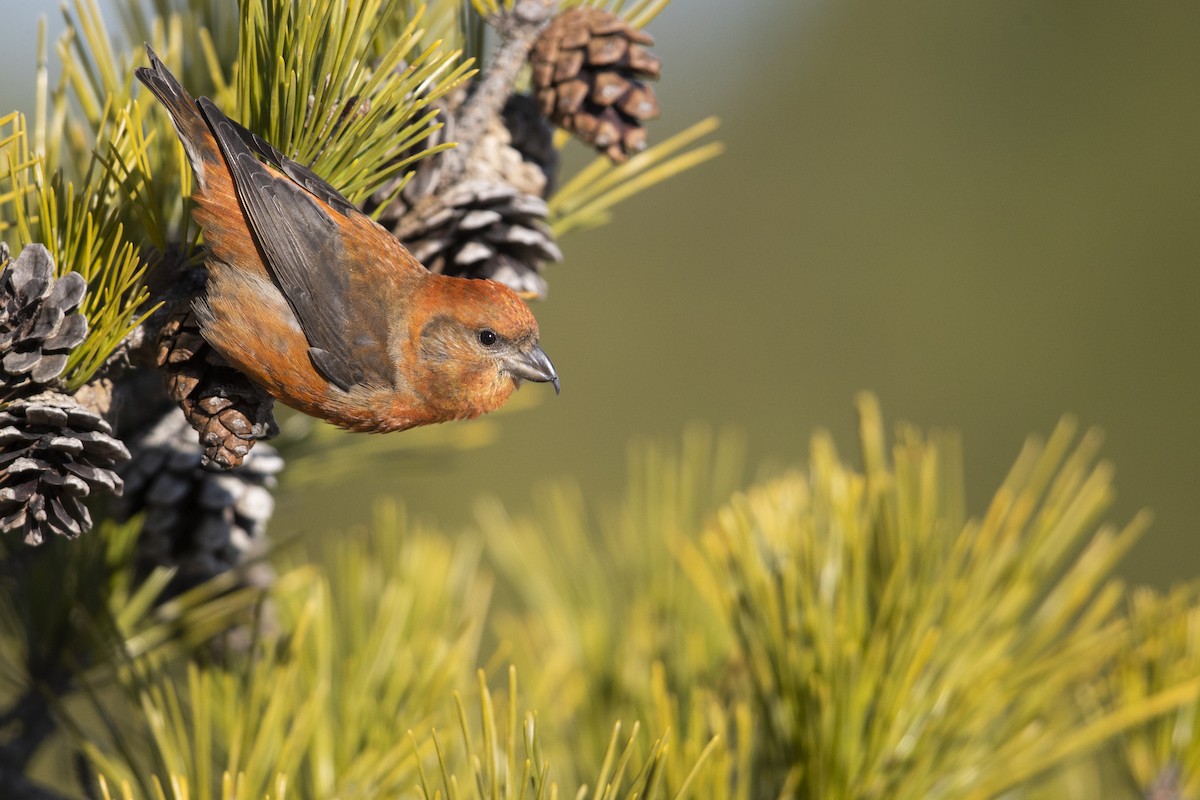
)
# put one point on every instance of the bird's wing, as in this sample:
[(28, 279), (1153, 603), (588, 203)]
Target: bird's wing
[(301, 174), (306, 257)]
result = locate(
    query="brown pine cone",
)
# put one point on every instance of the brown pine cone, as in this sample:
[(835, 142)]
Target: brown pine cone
[(589, 67), (229, 411)]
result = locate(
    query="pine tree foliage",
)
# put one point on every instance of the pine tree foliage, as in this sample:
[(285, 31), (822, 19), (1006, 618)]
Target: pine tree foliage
[(586, 201), (78, 610), (832, 632), (307, 87), (346, 100), (898, 649), (81, 226), (352, 697), (371, 642), (639, 12)]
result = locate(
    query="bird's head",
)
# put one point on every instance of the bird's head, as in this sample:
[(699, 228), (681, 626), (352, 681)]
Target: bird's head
[(476, 344)]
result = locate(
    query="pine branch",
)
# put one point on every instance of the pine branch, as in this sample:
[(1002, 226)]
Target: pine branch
[(518, 28)]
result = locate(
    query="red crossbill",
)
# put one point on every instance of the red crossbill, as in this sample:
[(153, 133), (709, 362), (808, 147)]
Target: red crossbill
[(324, 308)]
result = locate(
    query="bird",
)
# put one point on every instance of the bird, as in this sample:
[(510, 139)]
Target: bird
[(324, 308)]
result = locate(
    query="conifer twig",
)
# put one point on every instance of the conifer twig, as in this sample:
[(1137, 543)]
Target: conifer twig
[(518, 29)]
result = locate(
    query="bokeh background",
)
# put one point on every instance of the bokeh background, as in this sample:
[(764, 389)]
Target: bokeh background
[(987, 213)]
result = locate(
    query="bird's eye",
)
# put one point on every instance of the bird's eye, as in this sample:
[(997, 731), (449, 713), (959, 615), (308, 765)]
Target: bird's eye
[(487, 338)]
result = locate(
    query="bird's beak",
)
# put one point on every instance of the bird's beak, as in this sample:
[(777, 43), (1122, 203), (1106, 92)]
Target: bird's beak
[(533, 365)]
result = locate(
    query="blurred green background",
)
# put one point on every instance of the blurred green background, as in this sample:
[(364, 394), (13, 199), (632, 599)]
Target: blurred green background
[(988, 213)]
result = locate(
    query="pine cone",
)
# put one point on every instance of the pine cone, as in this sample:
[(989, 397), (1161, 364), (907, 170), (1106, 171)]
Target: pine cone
[(53, 453), (495, 160), (39, 321), (482, 229), (201, 521), (229, 411), (588, 71), (505, 176)]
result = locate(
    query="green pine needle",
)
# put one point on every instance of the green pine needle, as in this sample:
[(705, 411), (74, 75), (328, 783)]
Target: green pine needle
[(594, 648), (81, 227), (837, 632), (898, 649), (308, 82)]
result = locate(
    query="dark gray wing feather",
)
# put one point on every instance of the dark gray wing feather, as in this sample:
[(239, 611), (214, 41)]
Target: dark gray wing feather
[(293, 169), (303, 250)]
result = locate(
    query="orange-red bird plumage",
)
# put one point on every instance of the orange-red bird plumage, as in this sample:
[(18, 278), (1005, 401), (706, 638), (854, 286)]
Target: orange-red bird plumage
[(323, 307)]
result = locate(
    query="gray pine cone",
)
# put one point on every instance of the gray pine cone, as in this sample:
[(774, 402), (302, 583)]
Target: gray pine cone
[(485, 218), (39, 321), (483, 229), (497, 158), (54, 453), (202, 521)]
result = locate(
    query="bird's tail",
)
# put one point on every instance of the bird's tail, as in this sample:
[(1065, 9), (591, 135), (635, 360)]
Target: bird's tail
[(193, 130)]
